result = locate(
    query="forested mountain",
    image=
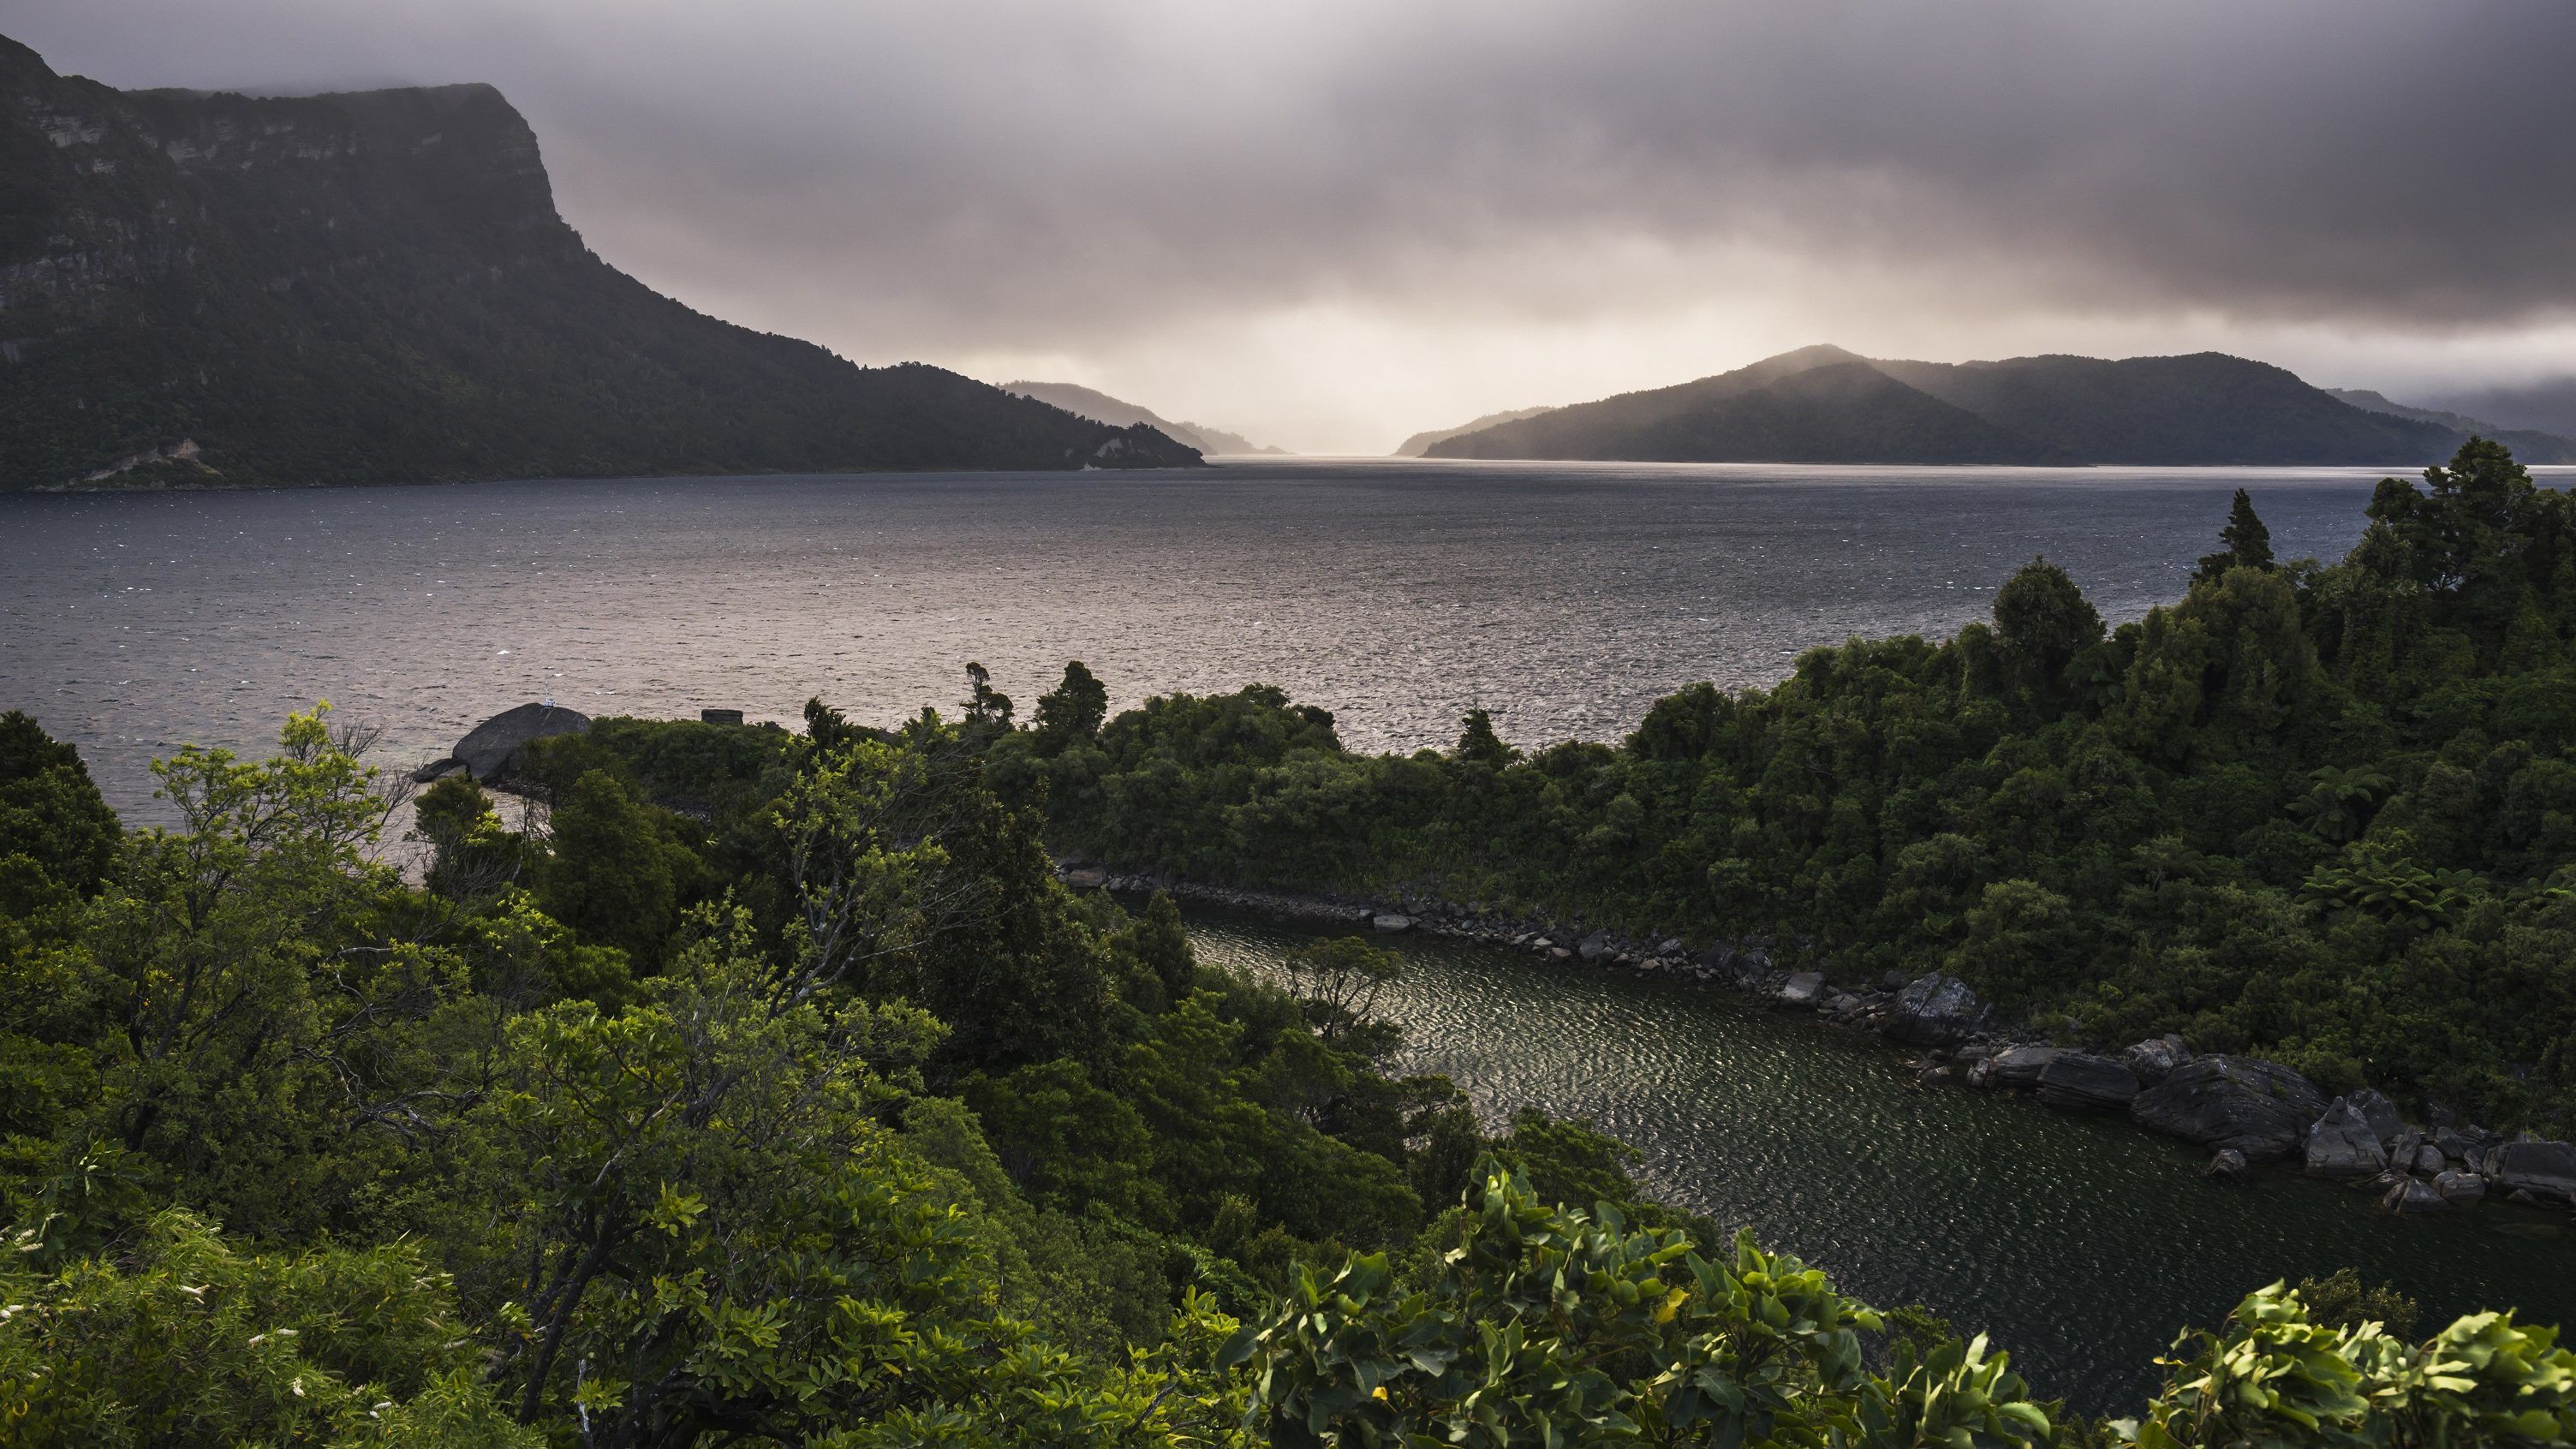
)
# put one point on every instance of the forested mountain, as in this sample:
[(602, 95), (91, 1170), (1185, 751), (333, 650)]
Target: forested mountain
[(1816, 405), (2205, 408), (1419, 444), (1102, 408), (2528, 444), (1826, 405), (211, 288)]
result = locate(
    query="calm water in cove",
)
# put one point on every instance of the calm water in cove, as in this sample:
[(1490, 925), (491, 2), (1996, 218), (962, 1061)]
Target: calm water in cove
[(2077, 1242), (1397, 595)]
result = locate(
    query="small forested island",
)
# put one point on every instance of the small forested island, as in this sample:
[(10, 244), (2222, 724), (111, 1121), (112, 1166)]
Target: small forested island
[(782, 1088)]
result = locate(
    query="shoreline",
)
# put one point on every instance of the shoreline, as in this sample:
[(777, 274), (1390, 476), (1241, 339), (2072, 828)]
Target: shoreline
[(1938, 1028)]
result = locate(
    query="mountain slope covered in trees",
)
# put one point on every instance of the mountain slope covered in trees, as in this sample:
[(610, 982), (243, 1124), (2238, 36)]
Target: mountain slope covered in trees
[(211, 288), (1100, 407), (1826, 405)]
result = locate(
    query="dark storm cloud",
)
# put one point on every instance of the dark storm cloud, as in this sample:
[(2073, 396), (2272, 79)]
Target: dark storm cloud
[(926, 179)]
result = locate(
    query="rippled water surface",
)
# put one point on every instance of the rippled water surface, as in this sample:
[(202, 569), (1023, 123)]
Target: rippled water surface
[(1396, 594), (2080, 1243)]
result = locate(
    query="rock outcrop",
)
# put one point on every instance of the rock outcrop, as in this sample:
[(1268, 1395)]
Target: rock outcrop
[(2342, 1143), (2545, 1170), (1937, 1010), (2154, 1059), (2085, 1081), (1804, 988), (2014, 1066), (2257, 1107), (491, 750)]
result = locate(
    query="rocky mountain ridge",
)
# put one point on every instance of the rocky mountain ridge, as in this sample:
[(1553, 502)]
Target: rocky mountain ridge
[(208, 288)]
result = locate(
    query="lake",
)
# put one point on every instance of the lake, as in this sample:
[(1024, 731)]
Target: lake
[(1565, 598), (2080, 1243), (1398, 595)]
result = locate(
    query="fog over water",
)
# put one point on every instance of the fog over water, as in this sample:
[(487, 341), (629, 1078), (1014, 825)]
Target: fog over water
[(1564, 598)]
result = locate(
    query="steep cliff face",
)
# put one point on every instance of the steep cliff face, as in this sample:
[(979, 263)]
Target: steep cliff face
[(376, 286)]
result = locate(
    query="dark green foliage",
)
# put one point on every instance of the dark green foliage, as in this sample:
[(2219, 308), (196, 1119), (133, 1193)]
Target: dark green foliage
[(482, 1185), (1478, 742), (2248, 544), (2340, 1300), (375, 287), (620, 870), (1073, 710), (57, 836), (2215, 820)]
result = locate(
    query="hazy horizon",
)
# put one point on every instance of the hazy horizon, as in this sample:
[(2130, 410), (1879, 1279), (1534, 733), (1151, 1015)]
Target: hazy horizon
[(1332, 228)]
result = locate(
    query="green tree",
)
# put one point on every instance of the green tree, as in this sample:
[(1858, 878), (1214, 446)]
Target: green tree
[(1073, 710), (2044, 621), (185, 1338), (1556, 1325), (617, 873), (1478, 744), (57, 837), (2247, 543)]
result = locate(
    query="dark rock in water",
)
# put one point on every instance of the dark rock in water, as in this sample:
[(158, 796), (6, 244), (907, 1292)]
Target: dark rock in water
[(2226, 1165), (2460, 1189), (2257, 1107), (2083, 1080), (1805, 988), (2152, 1060), (1595, 946), (720, 716), (491, 750), (1938, 1010), (2429, 1159), (2342, 1143), (2378, 1111), (2546, 1170), (2015, 1067), (2454, 1143), (436, 770), (2414, 1195)]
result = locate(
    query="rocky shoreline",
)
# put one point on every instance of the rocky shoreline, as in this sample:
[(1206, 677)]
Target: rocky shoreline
[(2247, 1111)]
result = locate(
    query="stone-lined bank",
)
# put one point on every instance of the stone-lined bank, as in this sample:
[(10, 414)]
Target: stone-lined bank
[(2245, 1110)]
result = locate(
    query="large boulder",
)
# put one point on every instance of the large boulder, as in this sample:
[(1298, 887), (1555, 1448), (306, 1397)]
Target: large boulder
[(2546, 1170), (2083, 1080), (2014, 1067), (2257, 1107), (2414, 1195), (2378, 1111), (490, 751), (1804, 989), (2460, 1189), (2154, 1059), (1937, 1010), (2342, 1143)]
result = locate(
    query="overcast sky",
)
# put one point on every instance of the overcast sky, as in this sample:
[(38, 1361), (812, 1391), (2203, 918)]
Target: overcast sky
[(1329, 224)]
